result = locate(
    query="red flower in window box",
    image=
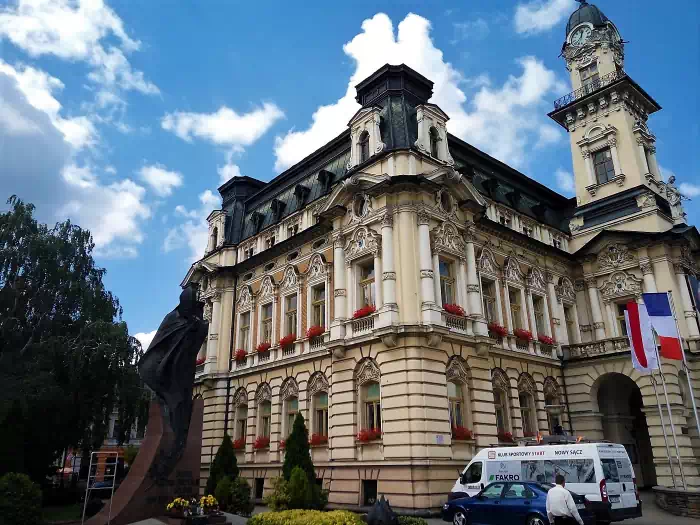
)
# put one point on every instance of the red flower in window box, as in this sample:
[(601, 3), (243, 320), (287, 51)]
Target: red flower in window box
[(505, 437), (369, 434), (454, 309), (529, 434), (263, 347), (288, 340), (315, 331), (525, 335), (318, 439), (261, 442), (240, 355), (497, 329), (239, 444), (364, 311), (545, 339), (461, 433), (283, 444), (200, 361)]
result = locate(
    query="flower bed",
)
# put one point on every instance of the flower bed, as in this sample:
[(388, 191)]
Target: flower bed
[(263, 347), (315, 331), (364, 311), (288, 340), (182, 507), (239, 444), (261, 442), (462, 433), (318, 439), (240, 355), (545, 339), (497, 329), (454, 309), (369, 434), (505, 437), (524, 335)]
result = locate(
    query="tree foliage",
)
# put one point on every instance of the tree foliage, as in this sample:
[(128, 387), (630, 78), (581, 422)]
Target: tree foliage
[(66, 358), (224, 464), (297, 453)]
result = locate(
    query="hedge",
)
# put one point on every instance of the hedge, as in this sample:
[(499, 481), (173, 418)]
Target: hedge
[(306, 517), (411, 520)]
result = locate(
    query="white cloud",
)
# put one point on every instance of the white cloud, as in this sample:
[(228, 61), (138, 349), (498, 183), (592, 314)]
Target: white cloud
[(476, 29), (504, 121), (689, 190), (224, 127), (228, 171), (565, 181), (161, 180), (145, 338), (541, 15), (194, 231)]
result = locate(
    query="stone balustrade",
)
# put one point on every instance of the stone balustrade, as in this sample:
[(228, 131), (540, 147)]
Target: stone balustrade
[(612, 345)]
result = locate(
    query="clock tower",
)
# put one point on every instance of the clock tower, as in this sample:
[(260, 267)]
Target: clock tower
[(618, 181)]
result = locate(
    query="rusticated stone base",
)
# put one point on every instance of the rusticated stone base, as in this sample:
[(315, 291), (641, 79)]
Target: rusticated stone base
[(678, 501)]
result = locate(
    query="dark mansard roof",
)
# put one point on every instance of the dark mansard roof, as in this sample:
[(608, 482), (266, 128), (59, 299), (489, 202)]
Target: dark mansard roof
[(586, 13)]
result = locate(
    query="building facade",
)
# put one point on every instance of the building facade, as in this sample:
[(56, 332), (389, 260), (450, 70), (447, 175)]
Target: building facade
[(417, 300)]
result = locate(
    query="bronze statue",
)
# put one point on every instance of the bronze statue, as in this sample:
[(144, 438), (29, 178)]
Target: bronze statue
[(168, 368)]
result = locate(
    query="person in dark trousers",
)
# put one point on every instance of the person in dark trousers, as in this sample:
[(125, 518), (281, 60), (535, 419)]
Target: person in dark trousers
[(561, 508)]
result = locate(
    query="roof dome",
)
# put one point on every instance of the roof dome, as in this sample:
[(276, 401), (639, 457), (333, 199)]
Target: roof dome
[(586, 13)]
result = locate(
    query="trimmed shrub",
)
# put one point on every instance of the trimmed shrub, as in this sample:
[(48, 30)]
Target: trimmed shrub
[(297, 453), (222, 493), (224, 464), (278, 499), (411, 520), (241, 503), (299, 490), (306, 517), (20, 500)]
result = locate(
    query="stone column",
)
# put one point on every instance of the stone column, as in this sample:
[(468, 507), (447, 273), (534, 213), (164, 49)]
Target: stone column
[(612, 143), (643, 156), (577, 327), (557, 310), (339, 294), (213, 337), (462, 294), (378, 299), (588, 161), (429, 309), (648, 274), (225, 320), (390, 309), (612, 318), (531, 314), (598, 324), (439, 300), (479, 324), (653, 163), (689, 313), (499, 304)]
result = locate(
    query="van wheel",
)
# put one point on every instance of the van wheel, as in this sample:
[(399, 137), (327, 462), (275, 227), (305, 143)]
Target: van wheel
[(535, 520), (459, 518)]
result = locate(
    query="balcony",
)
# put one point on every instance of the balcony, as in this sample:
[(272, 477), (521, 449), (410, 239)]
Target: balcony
[(455, 322), (589, 88), (363, 325), (317, 343), (611, 346)]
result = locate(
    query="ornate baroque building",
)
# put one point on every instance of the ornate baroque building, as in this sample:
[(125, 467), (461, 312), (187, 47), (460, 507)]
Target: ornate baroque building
[(397, 215)]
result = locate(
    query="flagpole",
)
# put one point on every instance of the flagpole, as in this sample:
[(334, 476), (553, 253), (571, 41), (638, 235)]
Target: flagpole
[(685, 363), (670, 417), (663, 427)]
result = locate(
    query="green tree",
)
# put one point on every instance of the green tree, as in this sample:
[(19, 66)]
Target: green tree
[(20, 500), (66, 358), (297, 453), (224, 464), (299, 490)]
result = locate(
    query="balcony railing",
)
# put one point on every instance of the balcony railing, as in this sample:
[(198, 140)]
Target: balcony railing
[(199, 369), (596, 348), (589, 88), (454, 322), (263, 357), (522, 344), (316, 343), (363, 325), (288, 350)]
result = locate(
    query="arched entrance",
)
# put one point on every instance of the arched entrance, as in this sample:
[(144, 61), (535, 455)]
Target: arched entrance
[(619, 402)]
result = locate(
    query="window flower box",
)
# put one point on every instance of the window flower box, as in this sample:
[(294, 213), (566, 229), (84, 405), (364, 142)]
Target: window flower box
[(364, 311), (546, 340), (261, 442), (239, 444), (317, 440), (505, 437), (288, 340), (523, 335), (283, 444), (240, 355), (315, 331), (454, 309), (369, 434), (462, 433), (200, 361), (497, 329), (263, 347)]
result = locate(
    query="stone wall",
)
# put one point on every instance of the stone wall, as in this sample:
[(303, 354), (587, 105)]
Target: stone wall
[(678, 502)]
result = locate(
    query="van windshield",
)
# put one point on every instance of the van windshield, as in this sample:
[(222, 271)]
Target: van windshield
[(473, 473)]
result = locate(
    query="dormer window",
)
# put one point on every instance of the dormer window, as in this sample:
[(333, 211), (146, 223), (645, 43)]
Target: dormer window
[(363, 146), (434, 142), (270, 241), (214, 239)]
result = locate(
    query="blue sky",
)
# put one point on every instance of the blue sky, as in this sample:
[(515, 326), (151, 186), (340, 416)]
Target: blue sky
[(126, 116)]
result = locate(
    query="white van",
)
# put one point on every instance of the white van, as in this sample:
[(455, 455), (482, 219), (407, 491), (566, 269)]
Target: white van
[(600, 471)]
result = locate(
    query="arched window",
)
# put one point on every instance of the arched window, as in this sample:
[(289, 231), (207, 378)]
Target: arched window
[(364, 146), (457, 374), (214, 238), (317, 390), (240, 431), (367, 378), (456, 398), (291, 409), (289, 395), (434, 142), (501, 401), (526, 396), (263, 399), (552, 404)]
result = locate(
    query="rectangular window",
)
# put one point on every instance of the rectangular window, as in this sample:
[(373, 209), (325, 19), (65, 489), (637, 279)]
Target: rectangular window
[(373, 409), (267, 323), (265, 417), (290, 316), (526, 413), (603, 165), (589, 77), (367, 284), (454, 394), (621, 309), (538, 306), (292, 409), (447, 282), (243, 330), (318, 305), (514, 299), (500, 407), (570, 326), (321, 415), (488, 289), (242, 426)]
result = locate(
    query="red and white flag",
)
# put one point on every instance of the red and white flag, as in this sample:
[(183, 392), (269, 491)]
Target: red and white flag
[(641, 338), (664, 324)]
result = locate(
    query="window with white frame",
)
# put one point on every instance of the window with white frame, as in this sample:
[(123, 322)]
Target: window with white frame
[(527, 413), (620, 310), (241, 422), (265, 420), (603, 165), (366, 294), (243, 330), (318, 305), (372, 414), (538, 307), (500, 403), (552, 414), (290, 314), (589, 76), (488, 290), (291, 408), (455, 397), (266, 323), (320, 402), (447, 281), (515, 309)]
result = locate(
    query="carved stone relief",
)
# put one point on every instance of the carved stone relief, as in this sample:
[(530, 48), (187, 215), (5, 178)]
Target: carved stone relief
[(368, 371), (621, 284), (264, 393), (289, 389), (317, 383), (614, 256), (457, 370), (362, 242), (446, 238)]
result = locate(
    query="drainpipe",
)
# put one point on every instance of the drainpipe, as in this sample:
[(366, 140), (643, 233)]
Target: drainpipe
[(230, 356)]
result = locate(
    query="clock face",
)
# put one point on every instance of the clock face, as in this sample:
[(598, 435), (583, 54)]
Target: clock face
[(580, 36)]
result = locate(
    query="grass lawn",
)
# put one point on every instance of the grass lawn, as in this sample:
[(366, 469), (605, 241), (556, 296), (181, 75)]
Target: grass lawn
[(62, 513)]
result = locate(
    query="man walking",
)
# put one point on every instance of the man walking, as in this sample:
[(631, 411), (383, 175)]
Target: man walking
[(561, 509)]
